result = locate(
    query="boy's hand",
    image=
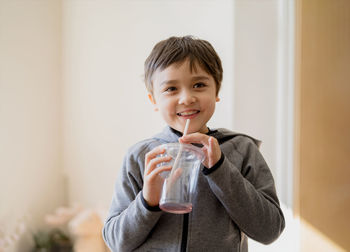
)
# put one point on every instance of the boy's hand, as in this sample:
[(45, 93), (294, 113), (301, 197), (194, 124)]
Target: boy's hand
[(153, 182), (210, 148)]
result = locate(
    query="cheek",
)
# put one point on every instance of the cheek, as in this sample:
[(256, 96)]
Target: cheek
[(209, 103), (166, 106), (211, 107)]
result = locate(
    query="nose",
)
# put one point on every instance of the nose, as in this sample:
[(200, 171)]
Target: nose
[(187, 98)]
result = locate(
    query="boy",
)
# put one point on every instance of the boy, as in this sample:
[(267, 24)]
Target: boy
[(235, 194)]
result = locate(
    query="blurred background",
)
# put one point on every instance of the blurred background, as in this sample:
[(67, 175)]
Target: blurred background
[(72, 100)]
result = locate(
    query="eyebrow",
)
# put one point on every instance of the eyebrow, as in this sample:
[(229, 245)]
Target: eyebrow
[(200, 77), (195, 78), (169, 82)]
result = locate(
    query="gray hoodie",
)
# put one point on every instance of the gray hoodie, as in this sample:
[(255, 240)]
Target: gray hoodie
[(234, 199)]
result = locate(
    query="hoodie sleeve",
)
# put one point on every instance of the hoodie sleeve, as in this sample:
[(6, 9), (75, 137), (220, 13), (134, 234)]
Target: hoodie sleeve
[(129, 221), (244, 185)]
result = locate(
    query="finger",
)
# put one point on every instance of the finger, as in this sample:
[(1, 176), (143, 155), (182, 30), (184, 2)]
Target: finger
[(211, 150), (153, 153), (155, 161), (205, 162), (155, 172), (214, 152), (173, 178), (177, 174), (195, 138), (212, 143)]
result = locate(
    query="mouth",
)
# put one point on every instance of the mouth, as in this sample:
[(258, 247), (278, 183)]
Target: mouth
[(188, 113)]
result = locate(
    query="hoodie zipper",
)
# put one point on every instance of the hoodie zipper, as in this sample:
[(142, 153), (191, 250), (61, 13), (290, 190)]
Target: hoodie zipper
[(184, 233)]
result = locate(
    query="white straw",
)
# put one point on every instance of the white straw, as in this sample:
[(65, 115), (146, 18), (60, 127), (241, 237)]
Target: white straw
[(180, 150), (186, 127)]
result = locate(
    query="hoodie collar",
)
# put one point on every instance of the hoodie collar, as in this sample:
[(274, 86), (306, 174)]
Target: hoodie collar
[(170, 135), (179, 134), (167, 135)]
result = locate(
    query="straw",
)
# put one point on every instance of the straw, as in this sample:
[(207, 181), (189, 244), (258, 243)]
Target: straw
[(186, 127), (180, 150)]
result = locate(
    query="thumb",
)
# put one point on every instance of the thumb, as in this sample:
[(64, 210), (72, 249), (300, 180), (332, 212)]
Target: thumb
[(206, 160)]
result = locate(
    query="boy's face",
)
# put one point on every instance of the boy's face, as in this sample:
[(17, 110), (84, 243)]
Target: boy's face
[(180, 94)]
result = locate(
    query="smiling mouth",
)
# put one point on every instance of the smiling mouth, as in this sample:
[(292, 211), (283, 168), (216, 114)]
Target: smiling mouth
[(188, 113)]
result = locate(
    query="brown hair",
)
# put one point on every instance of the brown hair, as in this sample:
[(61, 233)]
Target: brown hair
[(177, 50)]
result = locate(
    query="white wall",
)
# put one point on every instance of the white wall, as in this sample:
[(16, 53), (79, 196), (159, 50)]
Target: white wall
[(30, 115), (255, 74), (263, 82), (105, 102), (263, 88)]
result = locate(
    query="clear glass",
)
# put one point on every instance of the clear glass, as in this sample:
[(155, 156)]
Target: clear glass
[(180, 182)]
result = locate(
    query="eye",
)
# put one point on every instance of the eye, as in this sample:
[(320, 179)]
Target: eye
[(199, 85), (170, 89)]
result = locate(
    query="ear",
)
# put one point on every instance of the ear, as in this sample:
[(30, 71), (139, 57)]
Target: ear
[(217, 99), (153, 101)]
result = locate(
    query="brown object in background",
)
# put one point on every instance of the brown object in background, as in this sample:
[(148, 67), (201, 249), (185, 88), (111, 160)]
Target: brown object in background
[(323, 120)]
